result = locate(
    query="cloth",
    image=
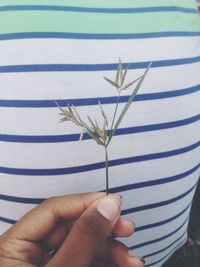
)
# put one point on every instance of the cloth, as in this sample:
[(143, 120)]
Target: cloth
[(59, 51)]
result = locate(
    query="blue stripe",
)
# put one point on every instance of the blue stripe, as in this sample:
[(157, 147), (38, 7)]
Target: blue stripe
[(158, 204), (6, 220), (94, 36), (160, 238), (170, 253), (112, 190), (161, 250), (154, 182), (152, 225), (39, 200), (94, 67), (75, 137), (97, 10), (99, 165), (23, 200), (94, 101)]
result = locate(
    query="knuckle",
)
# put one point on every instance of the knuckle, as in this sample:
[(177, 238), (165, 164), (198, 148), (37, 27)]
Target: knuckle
[(2, 252), (7, 246), (49, 200), (4, 246)]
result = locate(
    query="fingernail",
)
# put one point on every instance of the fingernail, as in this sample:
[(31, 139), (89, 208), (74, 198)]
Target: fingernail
[(131, 254), (132, 223), (142, 260), (119, 199), (109, 206)]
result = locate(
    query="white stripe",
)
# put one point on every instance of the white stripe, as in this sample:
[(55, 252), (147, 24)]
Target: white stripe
[(70, 51), (14, 211), (44, 121), (63, 85)]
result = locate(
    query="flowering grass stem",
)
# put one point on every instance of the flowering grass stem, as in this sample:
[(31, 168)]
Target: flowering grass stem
[(106, 168), (100, 133), (115, 112)]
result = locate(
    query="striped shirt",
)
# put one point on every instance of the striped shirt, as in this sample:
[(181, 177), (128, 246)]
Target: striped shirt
[(60, 50)]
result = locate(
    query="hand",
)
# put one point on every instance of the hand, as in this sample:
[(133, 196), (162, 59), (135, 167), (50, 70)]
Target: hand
[(75, 228)]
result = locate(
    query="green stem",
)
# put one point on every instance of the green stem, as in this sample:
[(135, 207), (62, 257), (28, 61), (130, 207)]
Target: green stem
[(106, 166), (115, 112)]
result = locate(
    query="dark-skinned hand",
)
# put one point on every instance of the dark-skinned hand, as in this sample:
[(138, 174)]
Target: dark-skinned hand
[(70, 231)]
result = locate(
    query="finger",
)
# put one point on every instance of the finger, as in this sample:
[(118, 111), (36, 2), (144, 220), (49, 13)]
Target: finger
[(123, 228), (54, 240), (88, 233), (14, 263), (117, 253), (98, 263), (40, 221)]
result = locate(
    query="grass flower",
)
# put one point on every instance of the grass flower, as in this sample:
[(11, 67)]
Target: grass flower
[(99, 133)]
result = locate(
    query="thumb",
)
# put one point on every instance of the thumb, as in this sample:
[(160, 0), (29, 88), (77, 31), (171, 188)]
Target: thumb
[(88, 233)]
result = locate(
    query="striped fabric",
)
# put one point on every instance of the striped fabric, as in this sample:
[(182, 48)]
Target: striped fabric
[(60, 50)]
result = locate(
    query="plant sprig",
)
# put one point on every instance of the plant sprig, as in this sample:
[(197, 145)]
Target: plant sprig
[(100, 133)]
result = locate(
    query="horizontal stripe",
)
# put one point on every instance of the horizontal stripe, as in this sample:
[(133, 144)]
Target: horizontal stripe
[(164, 111), (75, 137), (158, 204), (103, 3), (141, 208), (160, 238), (21, 199), (68, 35), (32, 21), (63, 50), (168, 254), (6, 220), (95, 101), (154, 182), (94, 67), (41, 157), (164, 249), (156, 224), (97, 10), (127, 187), (99, 165)]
